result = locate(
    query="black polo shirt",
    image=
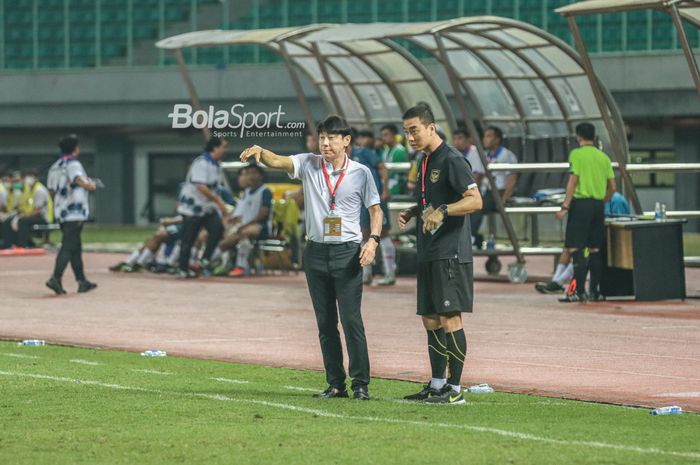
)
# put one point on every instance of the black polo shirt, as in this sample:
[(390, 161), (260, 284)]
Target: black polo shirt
[(447, 177)]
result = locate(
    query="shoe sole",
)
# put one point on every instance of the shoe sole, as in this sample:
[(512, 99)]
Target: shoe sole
[(57, 291)]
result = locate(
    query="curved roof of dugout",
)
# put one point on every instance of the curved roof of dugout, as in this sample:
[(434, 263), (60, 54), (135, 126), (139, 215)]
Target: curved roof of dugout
[(511, 74)]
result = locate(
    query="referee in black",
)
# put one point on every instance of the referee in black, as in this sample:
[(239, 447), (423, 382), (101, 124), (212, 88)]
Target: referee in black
[(446, 194), (335, 190)]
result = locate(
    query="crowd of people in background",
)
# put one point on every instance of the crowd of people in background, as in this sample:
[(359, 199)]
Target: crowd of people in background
[(24, 203)]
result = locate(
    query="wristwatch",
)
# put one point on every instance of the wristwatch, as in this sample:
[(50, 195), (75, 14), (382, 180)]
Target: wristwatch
[(443, 209), (376, 238)]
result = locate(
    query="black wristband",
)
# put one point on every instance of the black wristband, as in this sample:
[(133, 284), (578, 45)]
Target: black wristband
[(443, 209), (376, 238)]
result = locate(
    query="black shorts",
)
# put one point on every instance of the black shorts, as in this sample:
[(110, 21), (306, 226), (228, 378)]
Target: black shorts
[(585, 226), (445, 286)]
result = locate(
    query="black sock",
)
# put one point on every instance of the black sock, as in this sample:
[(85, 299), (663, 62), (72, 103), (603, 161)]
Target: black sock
[(456, 353), (580, 271), (595, 264), (437, 352)]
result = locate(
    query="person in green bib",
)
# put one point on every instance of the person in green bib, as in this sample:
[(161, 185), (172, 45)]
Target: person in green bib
[(591, 184)]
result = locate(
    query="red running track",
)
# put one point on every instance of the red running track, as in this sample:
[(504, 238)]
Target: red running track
[(645, 354)]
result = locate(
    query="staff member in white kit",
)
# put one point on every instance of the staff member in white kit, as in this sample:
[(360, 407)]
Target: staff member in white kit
[(335, 189)]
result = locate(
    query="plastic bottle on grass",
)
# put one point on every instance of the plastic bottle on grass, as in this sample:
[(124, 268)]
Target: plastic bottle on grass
[(33, 342), (153, 353), (480, 389), (670, 410)]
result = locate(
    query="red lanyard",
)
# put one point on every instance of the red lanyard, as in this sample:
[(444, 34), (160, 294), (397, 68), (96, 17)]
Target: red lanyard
[(424, 168), (337, 184)]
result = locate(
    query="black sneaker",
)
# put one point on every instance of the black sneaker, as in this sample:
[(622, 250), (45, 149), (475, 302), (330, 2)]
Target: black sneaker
[(551, 287), (360, 393), (447, 395), (55, 285), (86, 286), (426, 393), (332, 392), (575, 297)]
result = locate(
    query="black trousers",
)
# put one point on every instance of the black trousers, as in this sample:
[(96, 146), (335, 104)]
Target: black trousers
[(191, 225), (489, 206), (7, 236), (71, 251), (334, 278), (25, 229)]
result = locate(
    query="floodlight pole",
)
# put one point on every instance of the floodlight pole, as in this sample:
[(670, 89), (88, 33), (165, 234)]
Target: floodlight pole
[(617, 147), (689, 55), (190, 87), (480, 148)]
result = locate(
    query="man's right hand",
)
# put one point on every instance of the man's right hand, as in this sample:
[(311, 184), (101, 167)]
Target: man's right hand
[(254, 151), (404, 218)]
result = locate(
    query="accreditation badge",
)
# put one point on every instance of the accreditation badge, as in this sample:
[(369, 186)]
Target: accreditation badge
[(332, 228)]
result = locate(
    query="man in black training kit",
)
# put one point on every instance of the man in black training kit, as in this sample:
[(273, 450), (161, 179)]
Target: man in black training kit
[(591, 184), (335, 190), (446, 194), (70, 185)]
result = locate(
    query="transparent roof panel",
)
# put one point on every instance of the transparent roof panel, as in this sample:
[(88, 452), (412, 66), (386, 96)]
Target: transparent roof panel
[(492, 98), (391, 64), (530, 99), (366, 46), (561, 60), (526, 37), (544, 65), (375, 101), (355, 69), (468, 65), (504, 38), (507, 62), (472, 40)]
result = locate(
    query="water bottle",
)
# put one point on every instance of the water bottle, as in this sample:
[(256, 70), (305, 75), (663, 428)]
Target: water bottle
[(153, 353), (663, 211), (671, 410), (32, 342), (480, 389), (491, 243), (657, 212)]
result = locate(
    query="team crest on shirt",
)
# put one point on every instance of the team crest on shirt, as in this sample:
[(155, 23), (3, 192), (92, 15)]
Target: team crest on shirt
[(434, 176)]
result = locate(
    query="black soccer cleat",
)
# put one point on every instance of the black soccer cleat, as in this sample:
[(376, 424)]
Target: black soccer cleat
[(426, 393), (447, 396), (572, 298), (332, 393), (551, 287), (55, 285), (86, 286), (360, 393)]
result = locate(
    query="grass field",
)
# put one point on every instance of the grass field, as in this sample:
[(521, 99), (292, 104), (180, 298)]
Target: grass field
[(64, 405)]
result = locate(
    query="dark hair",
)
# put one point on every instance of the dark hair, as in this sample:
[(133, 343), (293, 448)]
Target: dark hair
[(461, 131), (366, 133), (421, 111), (585, 131), (496, 130), (68, 143), (256, 167), (334, 124), (213, 143), (391, 128)]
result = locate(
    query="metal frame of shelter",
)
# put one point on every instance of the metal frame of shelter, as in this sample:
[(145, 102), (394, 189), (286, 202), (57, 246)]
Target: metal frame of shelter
[(501, 71)]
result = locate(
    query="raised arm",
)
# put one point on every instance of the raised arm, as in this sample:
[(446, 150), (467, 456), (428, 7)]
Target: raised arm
[(268, 158)]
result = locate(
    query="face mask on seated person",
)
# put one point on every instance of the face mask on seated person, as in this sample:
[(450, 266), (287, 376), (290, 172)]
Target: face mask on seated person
[(29, 181)]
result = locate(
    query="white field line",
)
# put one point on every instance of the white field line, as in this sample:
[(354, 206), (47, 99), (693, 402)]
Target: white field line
[(84, 362), (152, 372), (230, 380), (231, 339), (299, 388), (326, 414), (12, 354)]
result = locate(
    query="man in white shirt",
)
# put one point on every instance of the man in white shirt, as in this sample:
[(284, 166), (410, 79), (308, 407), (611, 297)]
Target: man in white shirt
[(335, 190), (505, 181), (70, 185)]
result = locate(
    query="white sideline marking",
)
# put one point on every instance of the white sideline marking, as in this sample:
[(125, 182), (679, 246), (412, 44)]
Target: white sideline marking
[(299, 388), (326, 414), (84, 362), (153, 372), (231, 339), (230, 380), (12, 354)]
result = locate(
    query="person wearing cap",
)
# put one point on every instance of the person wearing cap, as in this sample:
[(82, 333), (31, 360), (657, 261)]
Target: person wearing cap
[(335, 190)]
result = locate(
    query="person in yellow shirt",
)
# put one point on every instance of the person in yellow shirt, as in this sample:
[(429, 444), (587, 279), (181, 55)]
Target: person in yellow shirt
[(35, 208)]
